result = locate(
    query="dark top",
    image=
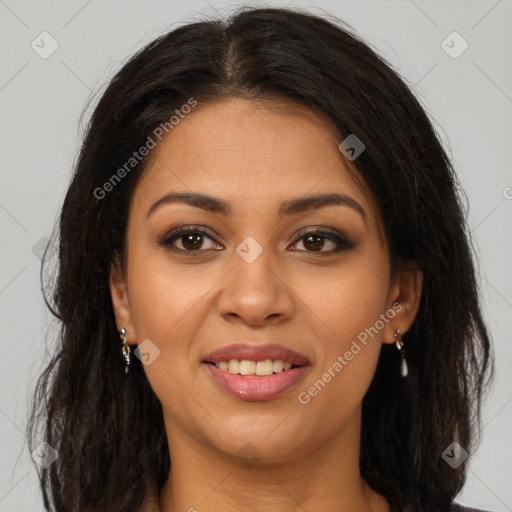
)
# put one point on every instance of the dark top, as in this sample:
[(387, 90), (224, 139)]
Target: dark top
[(460, 508), (455, 508)]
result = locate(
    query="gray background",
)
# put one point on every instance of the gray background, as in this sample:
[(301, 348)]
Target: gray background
[(41, 100)]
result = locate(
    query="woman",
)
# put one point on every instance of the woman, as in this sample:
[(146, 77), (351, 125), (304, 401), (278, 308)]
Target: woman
[(265, 283)]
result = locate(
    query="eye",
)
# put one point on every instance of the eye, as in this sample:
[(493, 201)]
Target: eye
[(190, 238), (315, 240)]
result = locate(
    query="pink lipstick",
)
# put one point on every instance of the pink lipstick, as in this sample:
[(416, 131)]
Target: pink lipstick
[(256, 372)]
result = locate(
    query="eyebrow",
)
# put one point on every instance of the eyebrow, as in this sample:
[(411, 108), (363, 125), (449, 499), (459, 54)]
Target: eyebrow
[(290, 207)]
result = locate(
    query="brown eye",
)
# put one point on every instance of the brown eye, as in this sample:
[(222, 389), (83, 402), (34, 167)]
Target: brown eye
[(191, 239), (314, 241)]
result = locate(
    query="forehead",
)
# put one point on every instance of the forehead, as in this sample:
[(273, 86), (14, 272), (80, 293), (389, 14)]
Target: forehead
[(250, 154)]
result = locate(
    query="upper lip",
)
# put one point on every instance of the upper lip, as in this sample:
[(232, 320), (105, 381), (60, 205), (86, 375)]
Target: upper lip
[(256, 352)]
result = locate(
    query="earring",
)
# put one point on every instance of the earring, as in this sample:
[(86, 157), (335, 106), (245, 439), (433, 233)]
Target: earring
[(125, 349), (404, 370)]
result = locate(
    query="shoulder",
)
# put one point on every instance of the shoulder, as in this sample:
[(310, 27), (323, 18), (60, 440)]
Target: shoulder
[(461, 508)]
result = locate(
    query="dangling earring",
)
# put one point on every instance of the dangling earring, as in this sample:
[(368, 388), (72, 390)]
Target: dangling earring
[(125, 349), (404, 370)]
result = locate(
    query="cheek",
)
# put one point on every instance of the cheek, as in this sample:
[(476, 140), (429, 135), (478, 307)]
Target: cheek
[(350, 299), (168, 307), (349, 341), (164, 297)]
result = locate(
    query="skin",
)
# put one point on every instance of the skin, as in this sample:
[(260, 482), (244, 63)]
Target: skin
[(255, 157)]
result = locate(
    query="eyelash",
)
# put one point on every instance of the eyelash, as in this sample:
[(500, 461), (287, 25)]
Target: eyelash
[(341, 242)]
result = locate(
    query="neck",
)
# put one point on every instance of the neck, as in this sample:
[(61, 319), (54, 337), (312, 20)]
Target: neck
[(319, 477)]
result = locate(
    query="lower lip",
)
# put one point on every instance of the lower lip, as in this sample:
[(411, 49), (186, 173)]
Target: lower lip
[(257, 389)]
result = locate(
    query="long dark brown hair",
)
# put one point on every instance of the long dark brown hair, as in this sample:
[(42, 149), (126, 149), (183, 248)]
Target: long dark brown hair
[(108, 427)]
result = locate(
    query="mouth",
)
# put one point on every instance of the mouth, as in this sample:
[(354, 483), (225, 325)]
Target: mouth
[(256, 372)]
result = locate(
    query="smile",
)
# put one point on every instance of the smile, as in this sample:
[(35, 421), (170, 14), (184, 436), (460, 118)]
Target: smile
[(255, 387)]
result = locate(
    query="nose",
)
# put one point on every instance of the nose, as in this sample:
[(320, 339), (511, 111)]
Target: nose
[(255, 291)]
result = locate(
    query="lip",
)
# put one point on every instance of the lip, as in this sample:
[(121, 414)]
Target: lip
[(257, 389), (258, 352)]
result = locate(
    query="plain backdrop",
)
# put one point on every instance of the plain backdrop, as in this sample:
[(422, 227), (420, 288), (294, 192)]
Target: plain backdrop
[(41, 100)]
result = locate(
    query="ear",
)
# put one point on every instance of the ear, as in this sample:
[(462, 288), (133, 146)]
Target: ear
[(404, 300), (120, 300)]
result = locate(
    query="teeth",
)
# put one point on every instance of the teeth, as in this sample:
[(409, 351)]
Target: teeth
[(234, 366), (264, 367), (278, 365), (260, 368), (247, 367)]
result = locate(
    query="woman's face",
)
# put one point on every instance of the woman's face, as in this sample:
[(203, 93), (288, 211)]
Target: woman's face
[(252, 273)]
